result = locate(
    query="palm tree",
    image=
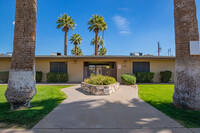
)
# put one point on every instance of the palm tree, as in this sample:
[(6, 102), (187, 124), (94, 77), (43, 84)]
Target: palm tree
[(65, 22), (76, 39), (79, 51), (21, 83), (187, 79), (97, 23), (100, 42)]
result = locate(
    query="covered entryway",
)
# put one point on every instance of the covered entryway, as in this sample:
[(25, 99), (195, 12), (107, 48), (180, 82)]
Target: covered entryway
[(103, 68)]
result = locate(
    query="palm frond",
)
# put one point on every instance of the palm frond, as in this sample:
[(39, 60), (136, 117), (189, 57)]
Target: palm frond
[(97, 22), (65, 21)]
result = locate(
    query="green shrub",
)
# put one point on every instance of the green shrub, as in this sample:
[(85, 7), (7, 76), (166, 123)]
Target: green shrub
[(100, 80), (4, 76), (145, 77), (165, 76), (128, 79), (56, 77), (39, 76)]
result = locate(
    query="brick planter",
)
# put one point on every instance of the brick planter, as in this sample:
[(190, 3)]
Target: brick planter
[(100, 89)]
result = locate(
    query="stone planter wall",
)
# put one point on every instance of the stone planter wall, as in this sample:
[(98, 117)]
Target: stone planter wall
[(100, 89)]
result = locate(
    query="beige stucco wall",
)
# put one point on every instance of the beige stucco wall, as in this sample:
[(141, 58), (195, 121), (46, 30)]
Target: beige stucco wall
[(75, 67), (5, 65), (75, 70), (156, 65)]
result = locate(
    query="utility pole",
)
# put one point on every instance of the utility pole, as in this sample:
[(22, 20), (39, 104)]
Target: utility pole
[(159, 49), (169, 52)]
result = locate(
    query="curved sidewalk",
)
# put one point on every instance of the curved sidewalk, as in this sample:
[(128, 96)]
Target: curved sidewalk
[(121, 112)]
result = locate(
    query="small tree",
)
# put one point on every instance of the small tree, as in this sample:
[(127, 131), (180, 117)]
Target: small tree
[(76, 39), (102, 51), (79, 51), (100, 41)]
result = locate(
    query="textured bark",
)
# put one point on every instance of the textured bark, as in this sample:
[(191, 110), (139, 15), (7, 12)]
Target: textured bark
[(21, 84), (65, 47), (96, 43), (65, 29), (75, 49), (187, 76)]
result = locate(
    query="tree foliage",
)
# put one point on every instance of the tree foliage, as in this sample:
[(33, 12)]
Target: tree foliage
[(65, 22), (79, 51)]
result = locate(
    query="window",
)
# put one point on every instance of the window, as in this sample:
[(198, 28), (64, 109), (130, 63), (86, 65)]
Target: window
[(58, 67), (141, 67)]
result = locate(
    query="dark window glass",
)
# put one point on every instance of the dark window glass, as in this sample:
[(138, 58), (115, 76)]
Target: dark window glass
[(141, 67), (58, 67)]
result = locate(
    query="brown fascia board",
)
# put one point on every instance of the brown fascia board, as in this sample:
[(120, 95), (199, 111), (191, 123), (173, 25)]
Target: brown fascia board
[(96, 57)]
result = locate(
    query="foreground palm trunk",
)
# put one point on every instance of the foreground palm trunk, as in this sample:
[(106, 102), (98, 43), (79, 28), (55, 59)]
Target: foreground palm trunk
[(187, 76), (21, 84)]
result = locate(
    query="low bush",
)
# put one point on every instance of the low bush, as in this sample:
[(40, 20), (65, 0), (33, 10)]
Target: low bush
[(100, 80), (39, 76), (145, 77), (165, 76), (56, 77), (4, 77), (128, 79)]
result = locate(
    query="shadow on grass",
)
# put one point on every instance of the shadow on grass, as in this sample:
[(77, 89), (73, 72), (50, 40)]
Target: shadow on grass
[(26, 118), (188, 118)]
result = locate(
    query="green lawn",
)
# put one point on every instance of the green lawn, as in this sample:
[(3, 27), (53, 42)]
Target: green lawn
[(160, 97), (46, 99)]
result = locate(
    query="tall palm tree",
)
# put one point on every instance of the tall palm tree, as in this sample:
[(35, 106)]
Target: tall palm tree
[(187, 79), (97, 23), (21, 83), (100, 42), (76, 39), (65, 22)]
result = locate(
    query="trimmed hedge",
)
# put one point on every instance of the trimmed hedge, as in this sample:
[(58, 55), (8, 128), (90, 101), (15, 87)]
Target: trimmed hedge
[(56, 77), (4, 77), (128, 79), (39, 76), (100, 80), (165, 76), (145, 77)]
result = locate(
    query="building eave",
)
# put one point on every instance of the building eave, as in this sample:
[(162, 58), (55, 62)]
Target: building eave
[(95, 57)]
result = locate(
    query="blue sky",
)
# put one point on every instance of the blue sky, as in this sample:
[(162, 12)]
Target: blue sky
[(133, 25)]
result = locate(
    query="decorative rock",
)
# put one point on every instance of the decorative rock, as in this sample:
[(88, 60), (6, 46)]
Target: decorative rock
[(100, 89)]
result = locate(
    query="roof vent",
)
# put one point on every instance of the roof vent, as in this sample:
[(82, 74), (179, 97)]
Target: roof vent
[(136, 54), (56, 54)]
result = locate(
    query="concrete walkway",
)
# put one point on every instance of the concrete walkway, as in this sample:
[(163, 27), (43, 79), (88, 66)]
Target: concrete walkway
[(121, 112)]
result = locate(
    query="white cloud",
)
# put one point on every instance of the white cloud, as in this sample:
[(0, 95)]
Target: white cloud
[(123, 9), (13, 22), (122, 24)]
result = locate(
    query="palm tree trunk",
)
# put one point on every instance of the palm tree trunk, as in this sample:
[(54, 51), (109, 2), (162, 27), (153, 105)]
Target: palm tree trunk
[(65, 47), (187, 73), (75, 49), (21, 84), (96, 44)]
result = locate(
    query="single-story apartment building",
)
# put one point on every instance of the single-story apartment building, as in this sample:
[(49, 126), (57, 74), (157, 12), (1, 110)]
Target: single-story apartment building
[(81, 67)]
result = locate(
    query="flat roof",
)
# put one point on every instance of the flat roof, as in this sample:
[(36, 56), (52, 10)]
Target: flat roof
[(94, 57)]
